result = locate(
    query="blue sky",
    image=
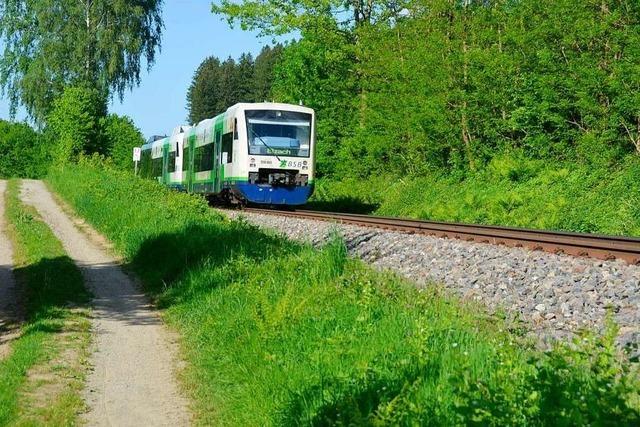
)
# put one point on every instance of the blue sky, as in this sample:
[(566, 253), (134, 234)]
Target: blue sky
[(191, 34)]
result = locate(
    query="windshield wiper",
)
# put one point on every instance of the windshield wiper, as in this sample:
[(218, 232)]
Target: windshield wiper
[(265, 144)]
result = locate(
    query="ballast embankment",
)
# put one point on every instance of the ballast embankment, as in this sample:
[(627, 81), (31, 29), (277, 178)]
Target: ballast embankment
[(557, 295)]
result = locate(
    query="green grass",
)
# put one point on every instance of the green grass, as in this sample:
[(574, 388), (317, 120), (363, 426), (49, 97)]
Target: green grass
[(52, 290), (279, 333), (509, 191)]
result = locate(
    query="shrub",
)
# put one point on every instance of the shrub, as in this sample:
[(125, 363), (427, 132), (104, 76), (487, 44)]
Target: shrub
[(76, 122), (25, 152), (563, 196), (120, 136)]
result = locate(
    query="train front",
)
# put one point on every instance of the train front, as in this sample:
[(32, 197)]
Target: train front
[(280, 142)]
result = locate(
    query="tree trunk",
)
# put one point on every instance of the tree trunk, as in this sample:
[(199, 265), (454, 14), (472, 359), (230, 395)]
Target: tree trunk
[(466, 134)]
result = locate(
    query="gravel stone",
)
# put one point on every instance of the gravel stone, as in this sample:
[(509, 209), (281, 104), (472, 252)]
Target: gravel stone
[(558, 295)]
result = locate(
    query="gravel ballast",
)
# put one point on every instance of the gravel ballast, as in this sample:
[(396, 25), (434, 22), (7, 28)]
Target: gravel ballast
[(557, 295)]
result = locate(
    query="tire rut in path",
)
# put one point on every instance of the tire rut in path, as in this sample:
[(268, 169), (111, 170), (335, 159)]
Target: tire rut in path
[(133, 379), (8, 296)]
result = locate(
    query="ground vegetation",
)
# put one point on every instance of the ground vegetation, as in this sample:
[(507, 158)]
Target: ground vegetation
[(279, 333)]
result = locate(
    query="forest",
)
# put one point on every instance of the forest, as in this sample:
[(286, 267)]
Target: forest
[(527, 111), (409, 87), (525, 108)]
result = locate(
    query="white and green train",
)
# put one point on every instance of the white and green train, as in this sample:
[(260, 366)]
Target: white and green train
[(259, 153)]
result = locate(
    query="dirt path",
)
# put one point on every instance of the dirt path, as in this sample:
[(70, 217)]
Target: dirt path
[(8, 309), (133, 380)]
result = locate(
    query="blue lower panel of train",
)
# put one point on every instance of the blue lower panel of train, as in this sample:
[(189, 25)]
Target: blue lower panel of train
[(267, 194)]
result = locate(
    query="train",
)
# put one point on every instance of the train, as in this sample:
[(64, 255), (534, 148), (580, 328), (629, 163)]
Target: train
[(253, 153)]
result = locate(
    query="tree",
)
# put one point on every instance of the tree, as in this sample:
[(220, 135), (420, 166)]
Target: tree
[(121, 136), (230, 90), (202, 99), (76, 121), (216, 86), (52, 44), (318, 70), (245, 79), (264, 72), (278, 17)]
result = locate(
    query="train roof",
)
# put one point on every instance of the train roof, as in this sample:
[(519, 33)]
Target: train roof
[(207, 123), (255, 106)]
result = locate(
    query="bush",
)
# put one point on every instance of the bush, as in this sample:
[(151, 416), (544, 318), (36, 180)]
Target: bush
[(279, 333), (510, 191), (120, 136), (76, 122), (25, 152)]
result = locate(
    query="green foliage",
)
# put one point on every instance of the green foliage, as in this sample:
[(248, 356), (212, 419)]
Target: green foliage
[(76, 122), (218, 85), (120, 136), (263, 72), (279, 333), (52, 44), (441, 85), (510, 191), (318, 70), (51, 286), (25, 152), (203, 97)]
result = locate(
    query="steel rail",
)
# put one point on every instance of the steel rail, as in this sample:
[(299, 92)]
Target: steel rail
[(577, 244)]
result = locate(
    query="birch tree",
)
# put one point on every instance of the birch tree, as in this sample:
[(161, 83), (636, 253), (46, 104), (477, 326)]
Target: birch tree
[(52, 44)]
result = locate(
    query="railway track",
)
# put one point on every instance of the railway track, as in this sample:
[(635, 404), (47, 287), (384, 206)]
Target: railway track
[(576, 244)]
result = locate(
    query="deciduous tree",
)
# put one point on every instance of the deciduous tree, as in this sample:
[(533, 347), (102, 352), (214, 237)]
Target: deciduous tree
[(51, 44)]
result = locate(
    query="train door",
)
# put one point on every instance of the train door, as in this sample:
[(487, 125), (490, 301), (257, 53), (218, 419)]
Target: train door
[(177, 159), (188, 159), (217, 164), (165, 164)]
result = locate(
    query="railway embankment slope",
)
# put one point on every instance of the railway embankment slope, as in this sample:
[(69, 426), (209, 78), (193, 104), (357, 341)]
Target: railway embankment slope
[(556, 295), (278, 332)]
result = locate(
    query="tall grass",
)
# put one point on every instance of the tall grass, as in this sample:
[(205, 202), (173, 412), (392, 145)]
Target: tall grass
[(279, 333), (50, 286), (509, 191)]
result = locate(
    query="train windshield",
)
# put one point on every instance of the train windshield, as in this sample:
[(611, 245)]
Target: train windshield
[(282, 133)]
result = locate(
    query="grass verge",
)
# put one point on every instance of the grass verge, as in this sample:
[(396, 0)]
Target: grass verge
[(510, 191), (41, 379), (279, 333)]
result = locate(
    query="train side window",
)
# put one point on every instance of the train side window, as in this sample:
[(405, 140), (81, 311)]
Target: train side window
[(227, 146), (185, 155), (172, 162), (235, 128), (145, 164), (203, 158), (156, 167)]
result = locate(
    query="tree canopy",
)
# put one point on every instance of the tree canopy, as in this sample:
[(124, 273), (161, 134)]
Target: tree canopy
[(51, 44), (218, 85), (415, 86)]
